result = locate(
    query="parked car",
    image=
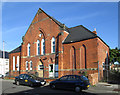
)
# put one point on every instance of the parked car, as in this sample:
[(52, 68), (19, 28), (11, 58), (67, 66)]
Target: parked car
[(1, 76), (75, 82), (29, 79)]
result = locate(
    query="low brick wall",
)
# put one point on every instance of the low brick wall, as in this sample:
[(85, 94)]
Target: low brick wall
[(93, 78)]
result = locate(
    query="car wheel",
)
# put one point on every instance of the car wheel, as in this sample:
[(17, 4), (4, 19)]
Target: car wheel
[(17, 83), (77, 89), (53, 86), (31, 84)]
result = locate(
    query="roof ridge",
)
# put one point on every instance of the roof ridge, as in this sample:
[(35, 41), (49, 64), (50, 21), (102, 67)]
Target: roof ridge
[(56, 21), (84, 28)]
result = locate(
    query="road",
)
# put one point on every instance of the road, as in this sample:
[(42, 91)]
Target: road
[(9, 88)]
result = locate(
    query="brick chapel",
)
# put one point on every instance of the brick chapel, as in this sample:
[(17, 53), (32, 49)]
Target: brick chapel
[(50, 49)]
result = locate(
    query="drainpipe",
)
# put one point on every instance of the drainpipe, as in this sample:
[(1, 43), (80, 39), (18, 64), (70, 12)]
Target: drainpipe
[(98, 72)]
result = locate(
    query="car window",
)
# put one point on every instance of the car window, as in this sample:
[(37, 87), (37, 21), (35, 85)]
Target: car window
[(26, 77), (77, 77), (64, 78), (84, 78), (21, 76), (71, 78)]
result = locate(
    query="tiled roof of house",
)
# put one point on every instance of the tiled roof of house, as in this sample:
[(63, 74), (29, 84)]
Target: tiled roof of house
[(18, 49), (79, 33)]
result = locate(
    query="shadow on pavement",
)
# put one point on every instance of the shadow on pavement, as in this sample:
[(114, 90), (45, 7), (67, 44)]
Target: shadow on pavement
[(46, 90)]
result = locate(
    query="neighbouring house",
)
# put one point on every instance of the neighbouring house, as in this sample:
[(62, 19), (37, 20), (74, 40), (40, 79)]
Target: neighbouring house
[(50, 49), (4, 63)]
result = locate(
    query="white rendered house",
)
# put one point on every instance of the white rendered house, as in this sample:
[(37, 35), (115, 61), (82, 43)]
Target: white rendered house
[(4, 64)]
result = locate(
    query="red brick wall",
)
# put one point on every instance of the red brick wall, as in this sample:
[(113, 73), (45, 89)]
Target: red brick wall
[(95, 52), (11, 72), (48, 28), (91, 54), (103, 50)]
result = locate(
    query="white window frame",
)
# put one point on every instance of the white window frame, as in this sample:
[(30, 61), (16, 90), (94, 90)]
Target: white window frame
[(17, 63), (40, 67), (28, 49), (30, 65), (103, 63), (38, 47), (52, 45), (42, 47), (13, 63), (26, 65)]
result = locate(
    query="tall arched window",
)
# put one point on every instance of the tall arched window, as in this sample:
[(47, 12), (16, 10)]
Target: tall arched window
[(83, 64), (53, 45), (38, 47), (26, 65), (30, 65), (72, 58), (28, 49), (42, 47)]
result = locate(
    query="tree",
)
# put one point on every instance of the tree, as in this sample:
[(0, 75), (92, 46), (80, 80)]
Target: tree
[(114, 55)]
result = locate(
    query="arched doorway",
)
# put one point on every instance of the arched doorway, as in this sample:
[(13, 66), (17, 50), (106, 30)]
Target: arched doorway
[(40, 69)]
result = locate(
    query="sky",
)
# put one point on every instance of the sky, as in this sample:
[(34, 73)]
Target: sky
[(17, 17)]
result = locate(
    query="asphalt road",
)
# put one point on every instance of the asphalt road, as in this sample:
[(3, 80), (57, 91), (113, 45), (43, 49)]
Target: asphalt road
[(9, 88)]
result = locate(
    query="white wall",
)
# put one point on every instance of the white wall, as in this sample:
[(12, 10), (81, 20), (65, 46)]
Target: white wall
[(4, 66)]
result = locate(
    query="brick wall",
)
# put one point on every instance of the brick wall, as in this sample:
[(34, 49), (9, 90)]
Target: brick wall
[(93, 78), (44, 25), (11, 72), (103, 54)]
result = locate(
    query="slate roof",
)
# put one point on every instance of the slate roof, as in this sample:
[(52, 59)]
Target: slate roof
[(79, 33), (18, 49), (6, 54)]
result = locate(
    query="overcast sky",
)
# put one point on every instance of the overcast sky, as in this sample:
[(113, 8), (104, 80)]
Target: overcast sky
[(16, 18)]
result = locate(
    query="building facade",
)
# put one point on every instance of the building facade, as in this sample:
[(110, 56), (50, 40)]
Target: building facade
[(51, 50), (4, 63)]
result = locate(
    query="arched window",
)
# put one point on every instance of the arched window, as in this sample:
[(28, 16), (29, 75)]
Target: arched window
[(28, 49), (72, 58), (83, 64), (53, 45), (42, 47), (38, 47), (26, 65), (30, 65)]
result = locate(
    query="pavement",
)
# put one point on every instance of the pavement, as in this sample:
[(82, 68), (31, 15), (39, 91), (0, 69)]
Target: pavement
[(103, 87)]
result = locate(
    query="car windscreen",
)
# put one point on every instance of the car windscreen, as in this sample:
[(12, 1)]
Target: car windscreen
[(84, 78), (33, 76)]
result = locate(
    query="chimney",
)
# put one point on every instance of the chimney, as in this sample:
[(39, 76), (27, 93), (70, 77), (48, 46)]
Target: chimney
[(95, 31)]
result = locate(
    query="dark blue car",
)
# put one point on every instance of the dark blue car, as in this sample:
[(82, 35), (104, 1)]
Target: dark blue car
[(29, 79), (75, 82)]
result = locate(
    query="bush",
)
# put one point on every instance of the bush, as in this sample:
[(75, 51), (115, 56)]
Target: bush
[(83, 72)]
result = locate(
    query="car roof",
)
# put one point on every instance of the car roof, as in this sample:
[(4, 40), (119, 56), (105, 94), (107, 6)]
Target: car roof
[(73, 75)]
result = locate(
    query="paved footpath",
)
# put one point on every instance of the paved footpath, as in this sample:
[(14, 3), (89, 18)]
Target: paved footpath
[(102, 87)]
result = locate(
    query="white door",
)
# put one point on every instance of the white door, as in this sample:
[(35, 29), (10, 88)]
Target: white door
[(52, 70)]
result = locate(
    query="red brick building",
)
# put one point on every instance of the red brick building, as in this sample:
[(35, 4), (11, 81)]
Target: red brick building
[(51, 50)]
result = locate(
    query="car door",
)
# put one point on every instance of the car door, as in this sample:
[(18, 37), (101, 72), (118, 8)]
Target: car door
[(26, 79), (71, 82), (61, 83), (21, 79)]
